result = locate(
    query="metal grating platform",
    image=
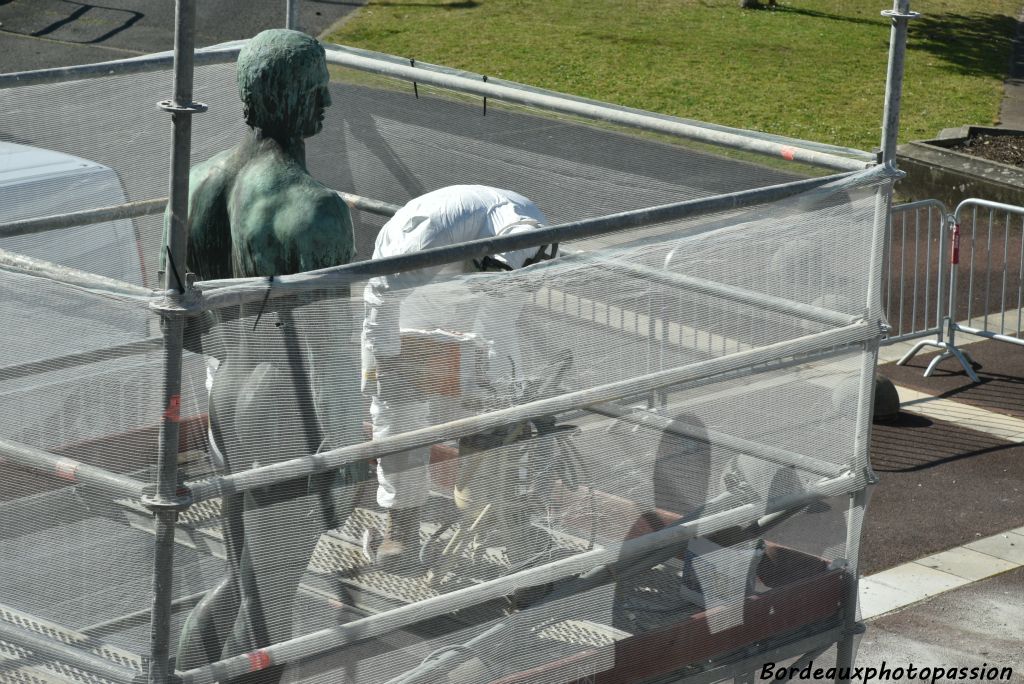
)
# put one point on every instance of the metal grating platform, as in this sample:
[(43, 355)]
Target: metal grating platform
[(19, 665), (582, 633), (334, 555), (339, 574)]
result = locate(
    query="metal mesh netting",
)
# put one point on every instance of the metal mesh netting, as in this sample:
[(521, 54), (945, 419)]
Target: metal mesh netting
[(639, 459), (380, 140), (576, 412)]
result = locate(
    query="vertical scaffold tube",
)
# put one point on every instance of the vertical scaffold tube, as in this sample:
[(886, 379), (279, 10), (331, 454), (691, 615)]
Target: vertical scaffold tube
[(900, 15), (166, 501), (291, 19)]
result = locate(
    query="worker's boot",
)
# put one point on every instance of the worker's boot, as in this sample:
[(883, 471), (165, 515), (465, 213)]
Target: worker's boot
[(401, 544)]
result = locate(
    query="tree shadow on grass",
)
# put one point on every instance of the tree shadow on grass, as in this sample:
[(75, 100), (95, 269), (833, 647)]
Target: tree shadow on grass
[(974, 43), (863, 21), (453, 4)]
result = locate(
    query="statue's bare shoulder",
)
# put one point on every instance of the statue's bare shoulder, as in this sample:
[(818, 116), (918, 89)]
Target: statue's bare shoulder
[(284, 221), (254, 210)]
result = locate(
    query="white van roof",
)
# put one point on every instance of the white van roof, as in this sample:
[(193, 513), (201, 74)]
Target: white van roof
[(20, 163), (37, 182)]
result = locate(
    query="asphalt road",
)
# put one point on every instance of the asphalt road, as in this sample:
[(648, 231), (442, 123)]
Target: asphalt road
[(387, 144), (37, 34)]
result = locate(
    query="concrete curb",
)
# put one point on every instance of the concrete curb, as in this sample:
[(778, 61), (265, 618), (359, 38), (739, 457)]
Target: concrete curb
[(342, 20)]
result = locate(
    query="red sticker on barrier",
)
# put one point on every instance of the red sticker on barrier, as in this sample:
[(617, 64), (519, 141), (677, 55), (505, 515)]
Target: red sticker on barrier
[(258, 660), (955, 256), (788, 153), (66, 469), (173, 411)]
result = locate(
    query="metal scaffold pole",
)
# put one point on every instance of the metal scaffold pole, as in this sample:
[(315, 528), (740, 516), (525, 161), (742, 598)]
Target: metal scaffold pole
[(900, 16), (165, 501), (291, 19)]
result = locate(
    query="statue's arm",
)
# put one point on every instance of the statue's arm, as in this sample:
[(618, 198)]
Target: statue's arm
[(209, 234), (325, 236), (208, 245), (321, 237)]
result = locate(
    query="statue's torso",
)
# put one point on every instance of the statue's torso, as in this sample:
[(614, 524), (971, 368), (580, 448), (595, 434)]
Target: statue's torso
[(255, 211)]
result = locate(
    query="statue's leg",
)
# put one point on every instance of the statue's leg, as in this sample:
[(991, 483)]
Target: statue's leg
[(282, 527), (283, 521), (207, 627)]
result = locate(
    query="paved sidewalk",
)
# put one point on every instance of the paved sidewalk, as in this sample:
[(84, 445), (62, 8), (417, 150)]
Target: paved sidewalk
[(961, 605), (978, 625), (1011, 111)]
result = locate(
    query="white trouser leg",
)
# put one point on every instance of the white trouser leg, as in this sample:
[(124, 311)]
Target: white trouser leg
[(402, 478)]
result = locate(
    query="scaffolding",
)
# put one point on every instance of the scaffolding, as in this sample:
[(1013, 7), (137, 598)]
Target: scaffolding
[(691, 313)]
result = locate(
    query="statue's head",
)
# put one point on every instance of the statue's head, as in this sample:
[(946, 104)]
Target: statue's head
[(282, 79)]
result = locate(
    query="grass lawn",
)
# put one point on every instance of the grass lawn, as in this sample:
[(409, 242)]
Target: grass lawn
[(811, 69)]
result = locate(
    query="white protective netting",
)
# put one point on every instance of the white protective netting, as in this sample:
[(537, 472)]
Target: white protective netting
[(380, 140), (712, 368)]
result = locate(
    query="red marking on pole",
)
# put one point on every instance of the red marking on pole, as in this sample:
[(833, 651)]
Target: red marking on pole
[(66, 469), (173, 411), (258, 660), (788, 153), (955, 256)]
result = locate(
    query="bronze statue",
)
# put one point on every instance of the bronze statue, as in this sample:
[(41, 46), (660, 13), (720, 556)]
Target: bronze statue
[(254, 210)]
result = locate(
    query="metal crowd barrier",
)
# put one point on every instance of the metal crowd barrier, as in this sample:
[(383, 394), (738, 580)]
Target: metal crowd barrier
[(991, 257), (915, 277), (983, 242)]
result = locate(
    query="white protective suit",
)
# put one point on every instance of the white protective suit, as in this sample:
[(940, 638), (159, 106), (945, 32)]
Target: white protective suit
[(443, 217)]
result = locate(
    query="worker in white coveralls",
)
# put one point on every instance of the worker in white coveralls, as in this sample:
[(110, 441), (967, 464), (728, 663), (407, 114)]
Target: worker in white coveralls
[(403, 302)]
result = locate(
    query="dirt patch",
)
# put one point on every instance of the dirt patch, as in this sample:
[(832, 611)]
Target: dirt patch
[(1007, 149)]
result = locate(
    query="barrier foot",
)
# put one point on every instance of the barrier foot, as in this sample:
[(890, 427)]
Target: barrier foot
[(949, 351), (918, 347), (952, 352)]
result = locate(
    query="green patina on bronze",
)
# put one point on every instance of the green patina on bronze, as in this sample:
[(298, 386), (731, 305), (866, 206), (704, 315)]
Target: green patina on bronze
[(254, 210)]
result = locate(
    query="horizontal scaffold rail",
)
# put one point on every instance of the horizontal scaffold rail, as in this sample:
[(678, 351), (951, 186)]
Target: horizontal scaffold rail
[(46, 648), (117, 351), (82, 218), (556, 102), (75, 472), (218, 54), (383, 623), (218, 294), (717, 438), (130, 210), (376, 63), (70, 276), (858, 333), (733, 293)]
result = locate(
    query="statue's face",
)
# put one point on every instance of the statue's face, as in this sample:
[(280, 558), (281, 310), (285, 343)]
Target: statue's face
[(282, 80), (318, 99)]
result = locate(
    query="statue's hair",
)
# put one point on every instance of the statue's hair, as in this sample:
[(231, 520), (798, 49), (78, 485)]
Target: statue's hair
[(275, 69)]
